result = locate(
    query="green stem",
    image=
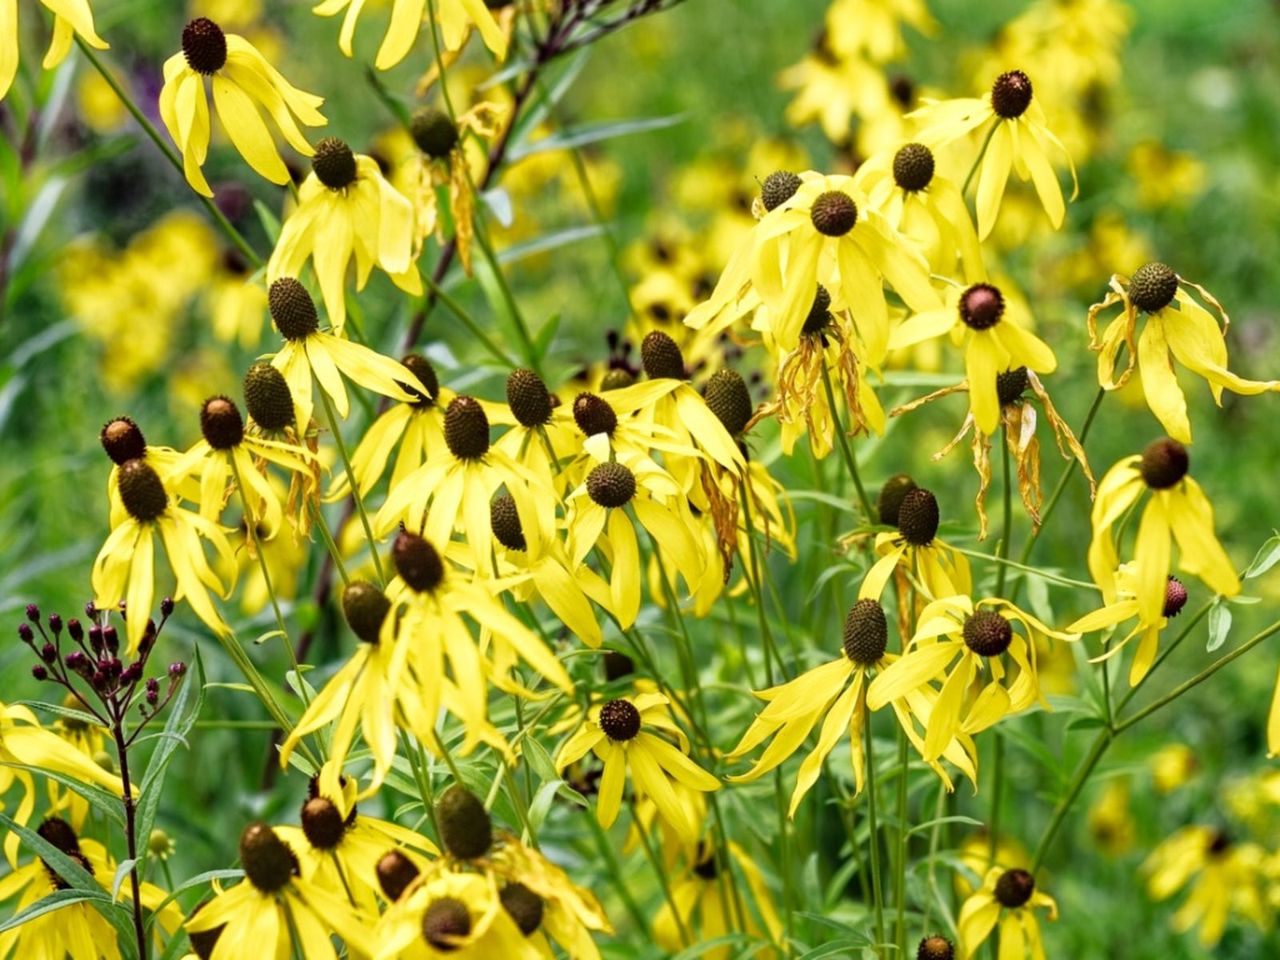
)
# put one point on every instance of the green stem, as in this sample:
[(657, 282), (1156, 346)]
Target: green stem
[(877, 888), (148, 127), (473, 328), (251, 525), (904, 835), (685, 938), (997, 789), (978, 159), (1165, 653), (330, 544), (332, 417), (1078, 780), (751, 572), (851, 464), (1200, 677), (620, 882)]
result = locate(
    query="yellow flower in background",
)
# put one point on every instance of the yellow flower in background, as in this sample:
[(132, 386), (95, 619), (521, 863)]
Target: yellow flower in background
[(630, 734), (1110, 820), (346, 208), (874, 27), (71, 18), (941, 569), (1164, 177), (98, 103), (707, 913), (88, 737), (1273, 722), (235, 304), (1172, 766), (926, 207), (274, 910), (310, 352), (1176, 324), (1019, 141), (243, 83), (1225, 878), (960, 639), (1178, 510), (1018, 418), (1008, 898), (125, 567), (1126, 607), (75, 930), (993, 344), (455, 19)]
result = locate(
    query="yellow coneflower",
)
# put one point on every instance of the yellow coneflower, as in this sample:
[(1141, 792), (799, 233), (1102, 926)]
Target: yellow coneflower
[(125, 567), (340, 852), (1008, 898), (243, 83), (227, 452), (69, 20), (942, 570), (630, 734), (836, 694), (535, 893), (451, 916), (75, 930), (413, 429), (443, 161), (1125, 606), (123, 441), (1225, 877), (346, 209), (235, 303), (827, 222), (600, 512), (273, 905), (455, 19), (24, 743), (1175, 324), (993, 343), (1019, 142), (959, 640), (1018, 417), (926, 207), (1177, 510), (309, 351), (702, 909)]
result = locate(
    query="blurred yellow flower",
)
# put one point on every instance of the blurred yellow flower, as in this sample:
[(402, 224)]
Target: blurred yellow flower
[(1007, 898), (454, 18)]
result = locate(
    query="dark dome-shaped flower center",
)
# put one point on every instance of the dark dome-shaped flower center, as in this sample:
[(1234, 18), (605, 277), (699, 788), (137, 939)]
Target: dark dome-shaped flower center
[(935, 948), (913, 167), (1011, 94), (434, 133), (889, 503), (593, 415), (267, 860), (987, 633), (819, 316), (866, 632), (466, 830), (778, 187), (334, 163), (661, 357), (267, 397), (122, 440), (1014, 888), (1175, 597), (528, 398), (292, 309), (620, 720), (421, 368), (611, 485), (523, 906), (1153, 287), (729, 399), (981, 306), (322, 823), (417, 562), (833, 213), (395, 872), (466, 428), (365, 607), (204, 46), (1164, 463), (918, 517), (505, 520), (445, 922), (221, 423), (1011, 384), (141, 491)]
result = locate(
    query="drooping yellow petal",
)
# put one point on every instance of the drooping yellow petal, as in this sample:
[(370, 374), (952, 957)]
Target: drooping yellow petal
[(244, 125), (982, 363), (991, 180), (1199, 552), (1159, 383), (1151, 554)]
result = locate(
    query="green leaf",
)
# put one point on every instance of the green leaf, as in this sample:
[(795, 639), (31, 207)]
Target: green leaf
[(546, 334), (1268, 556), (540, 806), (176, 728), (548, 242), (539, 760), (54, 901), (80, 716), (101, 800), (270, 222), (197, 881), (573, 137), (1219, 626), (702, 949), (928, 824), (122, 870)]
